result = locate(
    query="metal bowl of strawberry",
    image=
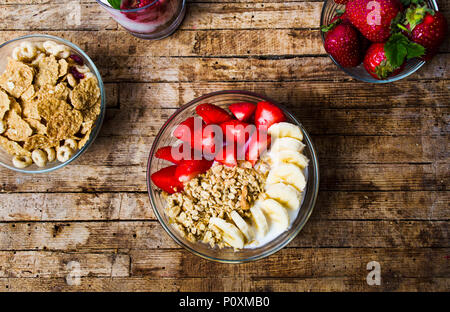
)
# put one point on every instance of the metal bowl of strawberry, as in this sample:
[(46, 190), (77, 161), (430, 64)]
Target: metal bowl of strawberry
[(382, 41), (170, 168)]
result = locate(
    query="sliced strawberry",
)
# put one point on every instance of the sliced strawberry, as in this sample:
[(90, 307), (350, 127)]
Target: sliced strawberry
[(189, 169), (165, 179), (209, 143), (258, 143), (243, 111), (268, 114), (166, 154), (227, 156), (212, 114), (174, 154), (185, 130), (237, 131)]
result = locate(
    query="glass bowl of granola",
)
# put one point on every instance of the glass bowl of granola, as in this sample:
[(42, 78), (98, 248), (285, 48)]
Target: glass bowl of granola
[(52, 103), (232, 176)]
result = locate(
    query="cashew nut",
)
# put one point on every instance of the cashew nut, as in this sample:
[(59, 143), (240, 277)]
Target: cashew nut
[(83, 69), (89, 75)]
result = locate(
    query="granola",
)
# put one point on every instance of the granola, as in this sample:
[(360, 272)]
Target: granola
[(215, 193)]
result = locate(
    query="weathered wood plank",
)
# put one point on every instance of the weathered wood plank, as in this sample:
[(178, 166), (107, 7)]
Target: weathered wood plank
[(193, 43), (271, 41), (311, 95), (293, 262), (123, 61), (75, 15), (112, 95), (76, 178), (30, 264), (378, 177), (382, 205), (288, 263), (416, 205), (341, 177), (212, 69), (143, 235), (146, 122), (124, 150), (206, 284)]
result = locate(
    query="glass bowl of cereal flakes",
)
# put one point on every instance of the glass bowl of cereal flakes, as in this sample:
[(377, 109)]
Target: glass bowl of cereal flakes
[(232, 176), (52, 103)]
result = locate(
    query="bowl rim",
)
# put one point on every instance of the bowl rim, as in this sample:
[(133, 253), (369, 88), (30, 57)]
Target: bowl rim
[(415, 67), (100, 118), (294, 231)]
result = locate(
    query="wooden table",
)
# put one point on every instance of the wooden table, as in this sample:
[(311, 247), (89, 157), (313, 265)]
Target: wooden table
[(383, 153)]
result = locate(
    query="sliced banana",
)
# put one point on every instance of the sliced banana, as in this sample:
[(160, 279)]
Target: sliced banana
[(290, 144), (285, 194), (231, 234), (259, 220), (287, 173), (285, 129), (277, 213), (242, 225), (289, 157)]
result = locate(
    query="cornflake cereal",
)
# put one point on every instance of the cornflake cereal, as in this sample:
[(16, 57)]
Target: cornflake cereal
[(48, 104)]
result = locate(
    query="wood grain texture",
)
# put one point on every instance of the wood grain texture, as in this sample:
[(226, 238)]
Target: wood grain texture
[(229, 69), (206, 284), (289, 267), (331, 205), (143, 235), (383, 152), (341, 177)]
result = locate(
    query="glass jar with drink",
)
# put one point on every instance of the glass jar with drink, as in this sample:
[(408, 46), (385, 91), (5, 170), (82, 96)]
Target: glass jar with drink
[(147, 19)]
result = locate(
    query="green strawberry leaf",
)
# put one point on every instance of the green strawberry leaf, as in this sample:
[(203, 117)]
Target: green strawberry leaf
[(340, 12), (414, 15), (327, 28), (407, 3), (384, 70), (402, 27), (397, 23), (395, 50), (399, 47), (415, 50), (115, 4)]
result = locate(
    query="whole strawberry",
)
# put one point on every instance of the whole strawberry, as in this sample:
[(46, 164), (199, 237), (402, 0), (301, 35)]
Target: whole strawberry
[(343, 44), (377, 65), (341, 1), (342, 16), (373, 18), (134, 4), (427, 28)]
